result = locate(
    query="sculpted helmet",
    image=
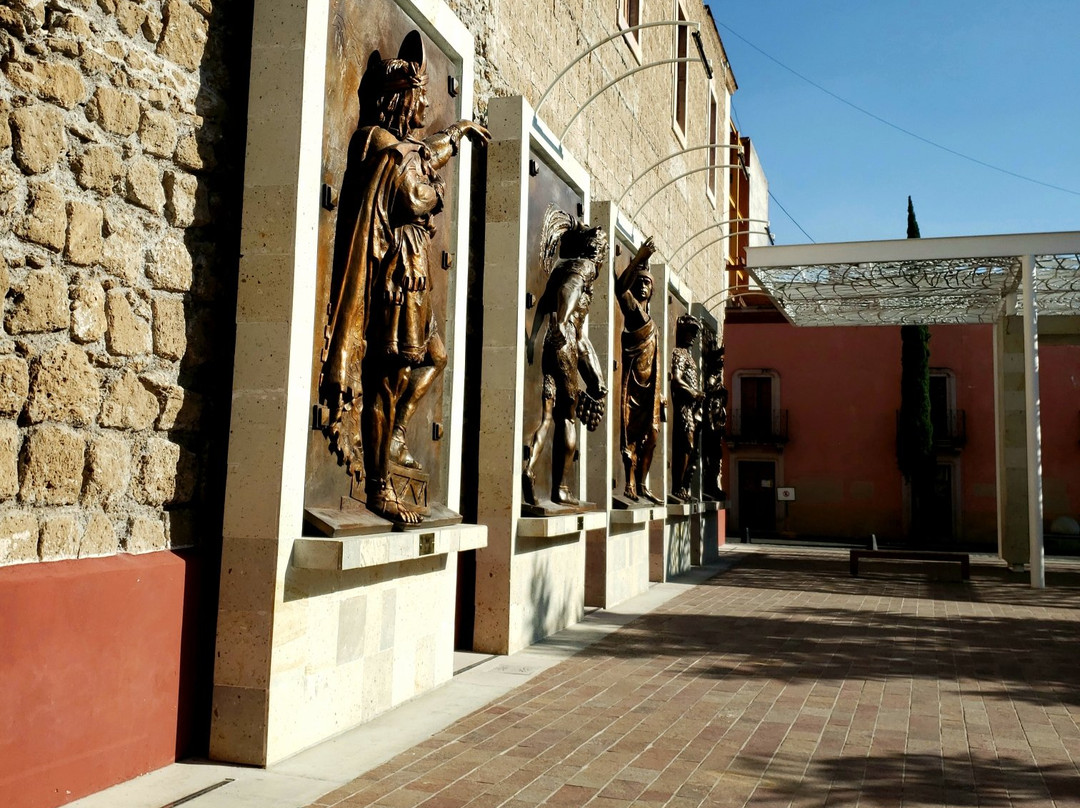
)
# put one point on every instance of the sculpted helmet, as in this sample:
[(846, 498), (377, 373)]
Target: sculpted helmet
[(686, 330), (386, 90)]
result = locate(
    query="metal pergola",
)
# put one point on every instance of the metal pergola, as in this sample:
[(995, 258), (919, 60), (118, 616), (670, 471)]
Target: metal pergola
[(970, 279)]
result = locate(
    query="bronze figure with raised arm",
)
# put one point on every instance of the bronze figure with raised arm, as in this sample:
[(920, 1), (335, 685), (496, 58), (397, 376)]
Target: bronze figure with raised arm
[(383, 348), (640, 397)]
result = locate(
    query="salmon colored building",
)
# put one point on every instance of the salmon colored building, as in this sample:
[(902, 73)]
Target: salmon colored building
[(811, 440)]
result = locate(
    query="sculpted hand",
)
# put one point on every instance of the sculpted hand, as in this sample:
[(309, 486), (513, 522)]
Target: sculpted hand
[(478, 134), (413, 281), (392, 293)]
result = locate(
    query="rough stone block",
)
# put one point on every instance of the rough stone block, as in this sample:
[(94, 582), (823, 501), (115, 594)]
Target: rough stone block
[(180, 408), (9, 459), (108, 464), (129, 404), (165, 474), (157, 133), (38, 137), (54, 81), (151, 28), (170, 264), (41, 304), (124, 255), (88, 322), (170, 325), (181, 199), (99, 538), (18, 537), (64, 387), (45, 222), (51, 466), (191, 155), (14, 385), (59, 538), (184, 37), (145, 535), (144, 185), (130, 17), (99, 168), (84, 241), (114, 111), (128, 320), (5, 127)]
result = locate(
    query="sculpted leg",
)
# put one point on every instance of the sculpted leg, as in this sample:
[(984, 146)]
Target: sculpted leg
[(645, 458), (419, 382), (562, 462), (629, 466), (536, 445), (381, 395)]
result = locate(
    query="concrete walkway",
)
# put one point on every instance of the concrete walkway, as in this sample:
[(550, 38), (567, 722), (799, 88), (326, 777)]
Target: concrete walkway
[(781, 682)]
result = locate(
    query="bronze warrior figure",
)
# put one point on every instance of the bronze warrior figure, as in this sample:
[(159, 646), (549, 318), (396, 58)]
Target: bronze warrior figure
[(384, 352), (687, 397), (571, 254), (639, 405)]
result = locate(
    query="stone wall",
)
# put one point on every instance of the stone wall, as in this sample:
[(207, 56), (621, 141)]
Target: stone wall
[(118, 230), (629, 126)]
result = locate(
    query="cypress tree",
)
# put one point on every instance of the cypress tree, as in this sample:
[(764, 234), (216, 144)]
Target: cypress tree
[(915, 431)]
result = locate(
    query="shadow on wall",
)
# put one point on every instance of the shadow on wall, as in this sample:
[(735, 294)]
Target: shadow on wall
[(209, 211)]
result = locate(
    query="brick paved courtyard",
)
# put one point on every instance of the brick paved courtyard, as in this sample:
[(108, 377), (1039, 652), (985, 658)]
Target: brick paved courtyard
[(784, 681)]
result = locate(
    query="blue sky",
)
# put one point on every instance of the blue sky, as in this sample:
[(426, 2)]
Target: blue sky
[(998, 81)]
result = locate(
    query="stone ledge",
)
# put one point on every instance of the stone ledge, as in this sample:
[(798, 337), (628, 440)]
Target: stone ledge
[(357, 552), (547, 526), (678, 510), (637, 516)]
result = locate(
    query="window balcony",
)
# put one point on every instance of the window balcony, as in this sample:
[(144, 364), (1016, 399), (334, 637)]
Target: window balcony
[(950, 429), (758, 427)]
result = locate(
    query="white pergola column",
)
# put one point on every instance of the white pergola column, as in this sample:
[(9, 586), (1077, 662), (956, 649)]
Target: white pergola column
[(1034, 428)]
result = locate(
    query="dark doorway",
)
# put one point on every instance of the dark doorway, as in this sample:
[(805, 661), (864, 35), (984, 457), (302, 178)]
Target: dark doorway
[(757, 496), (939, 517)]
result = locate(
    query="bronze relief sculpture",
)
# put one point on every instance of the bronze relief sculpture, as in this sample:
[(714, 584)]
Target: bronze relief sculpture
[(383, 350), (640, 398), (716, 401), (687, 399), (573, 385)]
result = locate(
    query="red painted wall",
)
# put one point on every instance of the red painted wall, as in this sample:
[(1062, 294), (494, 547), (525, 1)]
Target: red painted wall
[(841, 387), (1059, 396), (90, 674)]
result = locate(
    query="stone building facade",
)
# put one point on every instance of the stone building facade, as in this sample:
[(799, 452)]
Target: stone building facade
[(118, 228), (122, 173)]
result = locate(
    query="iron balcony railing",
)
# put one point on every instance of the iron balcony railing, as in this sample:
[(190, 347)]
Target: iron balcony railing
[(758, 426), (950, 430)]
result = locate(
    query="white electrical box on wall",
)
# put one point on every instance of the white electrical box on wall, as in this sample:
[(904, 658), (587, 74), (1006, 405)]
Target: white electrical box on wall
[(785, 494)]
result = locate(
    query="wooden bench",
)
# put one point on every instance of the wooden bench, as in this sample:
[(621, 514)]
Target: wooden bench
[(912, 555)]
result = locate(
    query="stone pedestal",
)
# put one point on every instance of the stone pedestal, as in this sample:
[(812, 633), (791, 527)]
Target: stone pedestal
[(713, 526), (530, 579), (316, 635)]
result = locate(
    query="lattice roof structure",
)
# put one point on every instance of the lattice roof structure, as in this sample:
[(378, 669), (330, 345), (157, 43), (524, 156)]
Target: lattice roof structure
[(972, 279)]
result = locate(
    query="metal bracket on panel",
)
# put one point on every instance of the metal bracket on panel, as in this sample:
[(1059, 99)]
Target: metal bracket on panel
[(329, 197), (453, 86)]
